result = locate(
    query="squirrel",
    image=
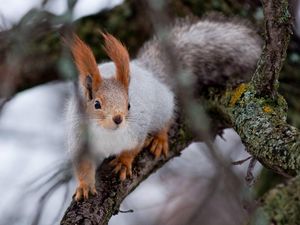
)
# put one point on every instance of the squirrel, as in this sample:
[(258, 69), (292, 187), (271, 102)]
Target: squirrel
[(130, 104)]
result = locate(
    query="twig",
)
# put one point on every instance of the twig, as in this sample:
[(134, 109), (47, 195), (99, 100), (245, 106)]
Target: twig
[(126, 211), (249, 177), (240, 162), (111, 192)]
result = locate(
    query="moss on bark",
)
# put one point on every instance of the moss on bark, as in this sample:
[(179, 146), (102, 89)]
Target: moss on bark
[(261, 124), (281, 205)]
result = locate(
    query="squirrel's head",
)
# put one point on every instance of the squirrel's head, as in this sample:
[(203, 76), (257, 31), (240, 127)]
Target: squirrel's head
[(106, 100)]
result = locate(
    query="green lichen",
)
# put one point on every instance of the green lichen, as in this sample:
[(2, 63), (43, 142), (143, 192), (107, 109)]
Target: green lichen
[(262, 127), (282, 204), (286, 16), (261, 124)]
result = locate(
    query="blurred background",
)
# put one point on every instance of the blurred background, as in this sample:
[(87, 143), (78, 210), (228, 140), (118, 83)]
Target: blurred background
[(36, 72)]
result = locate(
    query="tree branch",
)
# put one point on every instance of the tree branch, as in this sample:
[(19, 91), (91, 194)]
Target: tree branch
[(111, 192), (262, 127), (277, 36), (281, 205), (259, 120)]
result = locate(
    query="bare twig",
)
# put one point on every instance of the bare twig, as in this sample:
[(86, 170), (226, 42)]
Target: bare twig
[(240, 162), (126, 211), (249, 177), (111, 193)]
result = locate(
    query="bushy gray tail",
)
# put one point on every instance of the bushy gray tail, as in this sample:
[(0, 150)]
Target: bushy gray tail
[(217, 51)]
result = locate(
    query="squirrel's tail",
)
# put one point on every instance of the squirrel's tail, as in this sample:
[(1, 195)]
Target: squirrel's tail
[(215, 50)]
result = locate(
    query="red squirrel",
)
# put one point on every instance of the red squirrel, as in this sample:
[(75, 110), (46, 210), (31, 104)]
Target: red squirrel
[(126, 100), (123, 103)]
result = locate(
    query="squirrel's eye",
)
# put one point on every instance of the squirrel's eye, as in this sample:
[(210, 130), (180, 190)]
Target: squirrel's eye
[(128, 106), (97, 105)]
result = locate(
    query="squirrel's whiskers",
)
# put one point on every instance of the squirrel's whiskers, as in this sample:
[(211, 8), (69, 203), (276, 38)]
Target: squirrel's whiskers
[(130, 104)]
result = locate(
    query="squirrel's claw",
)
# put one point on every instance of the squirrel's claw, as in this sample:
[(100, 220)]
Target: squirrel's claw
[(123, 165), (148, 141), (160, 144), (83, 190)]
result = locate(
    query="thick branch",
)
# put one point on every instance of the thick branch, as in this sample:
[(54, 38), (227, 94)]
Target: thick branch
[(260, 122), (256, 111), (111, 192), (281, 205), (277, 36)]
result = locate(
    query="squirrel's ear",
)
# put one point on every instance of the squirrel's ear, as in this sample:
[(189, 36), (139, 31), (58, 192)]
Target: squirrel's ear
[(89, 75), (119, 55)]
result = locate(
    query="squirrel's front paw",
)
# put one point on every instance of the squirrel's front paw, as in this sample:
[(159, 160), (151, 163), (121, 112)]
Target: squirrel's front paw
[(123, 164), (159, 144), (83, 191)]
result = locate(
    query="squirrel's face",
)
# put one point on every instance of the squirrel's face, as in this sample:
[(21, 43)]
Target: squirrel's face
[(106, 100), (109, 107)]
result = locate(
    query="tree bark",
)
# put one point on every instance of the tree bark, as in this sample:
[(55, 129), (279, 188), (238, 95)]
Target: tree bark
[(111, 192), (259, 119), (255, 110), (277, 26)]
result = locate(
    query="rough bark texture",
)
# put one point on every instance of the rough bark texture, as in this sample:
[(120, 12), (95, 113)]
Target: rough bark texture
[(261, 124), (260, 120), (281, 205), (277, 26), (111, 192), (255, 111)]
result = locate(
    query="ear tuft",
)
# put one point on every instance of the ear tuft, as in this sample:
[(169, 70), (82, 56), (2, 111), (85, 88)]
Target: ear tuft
[(89, 75), (119, 55)]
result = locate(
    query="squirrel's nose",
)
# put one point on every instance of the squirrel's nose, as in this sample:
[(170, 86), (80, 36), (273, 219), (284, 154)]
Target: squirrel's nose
[(117, 119)]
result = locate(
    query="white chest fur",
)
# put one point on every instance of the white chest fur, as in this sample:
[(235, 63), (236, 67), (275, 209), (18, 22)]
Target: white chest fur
[(152, 106), (109, 142)]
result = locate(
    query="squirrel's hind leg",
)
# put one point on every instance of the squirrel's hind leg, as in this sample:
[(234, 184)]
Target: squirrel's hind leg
[(85, 172), (123, 163), (159, 143)]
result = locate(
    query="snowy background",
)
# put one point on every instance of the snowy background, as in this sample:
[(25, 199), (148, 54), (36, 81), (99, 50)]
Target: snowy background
[(32, 145), (32, 142), (13, 10)]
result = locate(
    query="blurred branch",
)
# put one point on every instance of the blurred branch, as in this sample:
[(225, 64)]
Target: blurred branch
[(2, 103), (24, 63), (30, 55), (260, 122), (30, 52), (61, 176), (281, 204)]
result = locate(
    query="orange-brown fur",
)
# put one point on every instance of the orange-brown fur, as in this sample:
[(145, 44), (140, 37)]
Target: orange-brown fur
[(119, 55), (110, 107), (87, 66), (103, 91), (159, 143), (123, 163), (85, 172), (85, 62)]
